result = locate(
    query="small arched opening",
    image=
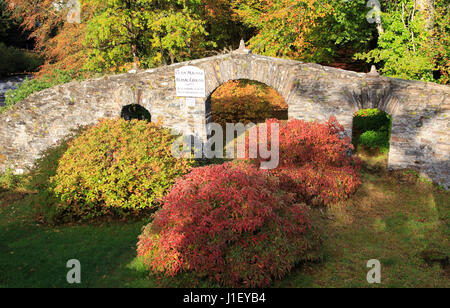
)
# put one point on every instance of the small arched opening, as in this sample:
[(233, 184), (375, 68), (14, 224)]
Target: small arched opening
[(135, 112), (372, 134)]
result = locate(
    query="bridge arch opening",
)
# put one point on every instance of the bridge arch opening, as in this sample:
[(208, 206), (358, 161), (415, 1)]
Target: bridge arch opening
[(135, 112), (245, 101), (372, 134)]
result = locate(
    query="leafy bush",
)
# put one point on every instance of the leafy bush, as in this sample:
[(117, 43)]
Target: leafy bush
[(244, 101), (319, 185), (230, 223), (315, 161), (116, 167), (44, 204), (371, 119), (8, 180), (17, 61), (373, 129), (375, 140)]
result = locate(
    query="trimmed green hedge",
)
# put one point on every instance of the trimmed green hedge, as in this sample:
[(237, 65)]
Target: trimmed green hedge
[(373, 128)]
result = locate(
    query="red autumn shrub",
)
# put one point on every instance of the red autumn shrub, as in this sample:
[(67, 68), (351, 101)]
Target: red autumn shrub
[(230, 223), (319, 186), (314, 161)]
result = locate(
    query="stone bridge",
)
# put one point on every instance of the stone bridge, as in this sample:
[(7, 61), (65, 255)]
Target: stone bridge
[(420, 111)]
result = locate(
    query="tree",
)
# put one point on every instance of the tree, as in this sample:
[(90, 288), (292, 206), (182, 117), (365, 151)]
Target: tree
[(427, 8), (59, 41), (10, 31), (441, 41), (224, 24), (144, 32), (414, 44), (308, 30), (283, 26)]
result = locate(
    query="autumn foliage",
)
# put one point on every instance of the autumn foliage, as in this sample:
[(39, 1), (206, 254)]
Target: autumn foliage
[(240, 226), (230, 223), (315, 161), (60, 42), (116, 167), (244, 101), (283, 26)]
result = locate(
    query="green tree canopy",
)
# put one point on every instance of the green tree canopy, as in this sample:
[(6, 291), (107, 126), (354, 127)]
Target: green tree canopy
[(144, 32)]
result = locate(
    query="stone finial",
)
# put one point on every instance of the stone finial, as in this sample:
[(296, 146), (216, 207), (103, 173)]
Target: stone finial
[(242, 48), (242, 45), (373, 72)]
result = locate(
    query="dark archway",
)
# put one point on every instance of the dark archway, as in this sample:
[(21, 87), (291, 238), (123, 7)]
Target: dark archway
[(135, 112)]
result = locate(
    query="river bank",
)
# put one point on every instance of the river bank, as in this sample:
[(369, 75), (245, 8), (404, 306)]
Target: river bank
[(11, 83)]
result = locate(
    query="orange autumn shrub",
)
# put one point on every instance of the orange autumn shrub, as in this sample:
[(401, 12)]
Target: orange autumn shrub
[(244, 101), (116, 167)]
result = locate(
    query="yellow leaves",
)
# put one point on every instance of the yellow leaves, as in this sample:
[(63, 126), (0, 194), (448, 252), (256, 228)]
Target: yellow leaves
[(244, 102), (117, 164), (284, 26)]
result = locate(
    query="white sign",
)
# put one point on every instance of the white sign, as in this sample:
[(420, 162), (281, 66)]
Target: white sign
[(190, 81), (190, 101)]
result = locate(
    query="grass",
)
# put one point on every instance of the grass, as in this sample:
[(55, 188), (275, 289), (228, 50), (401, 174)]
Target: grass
[(394, 217), (29, 87)]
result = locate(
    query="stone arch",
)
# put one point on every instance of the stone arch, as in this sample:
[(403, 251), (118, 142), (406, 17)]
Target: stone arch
[(275, 74)]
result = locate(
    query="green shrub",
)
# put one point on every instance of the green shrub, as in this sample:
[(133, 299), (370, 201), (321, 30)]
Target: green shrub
[(116, 168), (371, 119), (373, 129), (29, 87), (8, 180), (15, 61), (375, 139)]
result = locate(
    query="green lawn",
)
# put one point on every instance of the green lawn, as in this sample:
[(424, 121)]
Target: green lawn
[(396, 218), (392, 219)]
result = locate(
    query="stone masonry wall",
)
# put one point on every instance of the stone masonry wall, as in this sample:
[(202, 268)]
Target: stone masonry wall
[(420, 111)]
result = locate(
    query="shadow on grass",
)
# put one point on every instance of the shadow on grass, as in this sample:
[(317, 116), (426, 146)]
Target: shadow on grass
[(396, 217), (36, 256)]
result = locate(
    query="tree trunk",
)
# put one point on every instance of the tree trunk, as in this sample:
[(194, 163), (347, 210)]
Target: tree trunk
[(135, 57), (380, 29), (426, 7)]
